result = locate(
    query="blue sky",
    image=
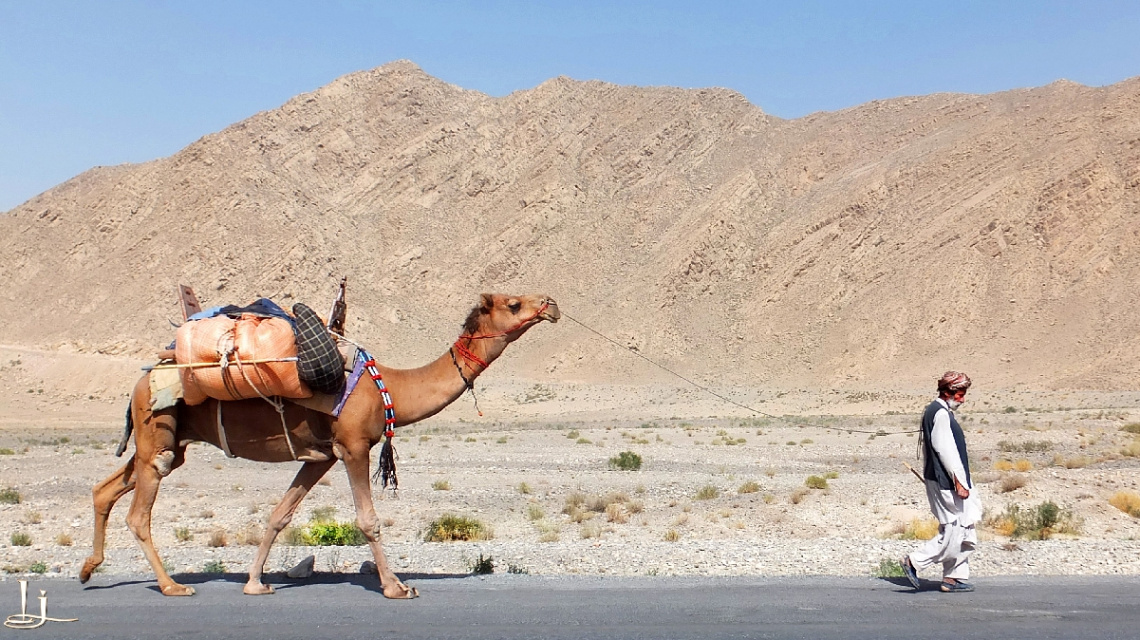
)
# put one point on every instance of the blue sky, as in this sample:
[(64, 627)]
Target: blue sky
[(85, 83)]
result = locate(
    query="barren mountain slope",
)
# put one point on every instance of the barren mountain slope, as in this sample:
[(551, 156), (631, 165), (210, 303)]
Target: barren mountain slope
[(873, 246)]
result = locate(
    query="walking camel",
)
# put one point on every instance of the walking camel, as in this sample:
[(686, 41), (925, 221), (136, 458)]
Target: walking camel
[(253, 430)]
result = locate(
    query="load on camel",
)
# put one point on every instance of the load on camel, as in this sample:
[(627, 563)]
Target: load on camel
[(272, 429)]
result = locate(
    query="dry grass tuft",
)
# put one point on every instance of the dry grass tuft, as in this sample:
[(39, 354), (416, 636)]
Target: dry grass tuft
[(217, 538), (798, 495), (1023, 466), (748, 487), (707, 492), (616, 513), (1003, 465), (441, 485), (250, 535), (1126, 501), (672, 535), (63, 540), (920, 529), (1011, 482), (1131, 450)]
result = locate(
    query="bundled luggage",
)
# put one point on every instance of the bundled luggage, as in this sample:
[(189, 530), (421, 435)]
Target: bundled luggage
[(236, 353)]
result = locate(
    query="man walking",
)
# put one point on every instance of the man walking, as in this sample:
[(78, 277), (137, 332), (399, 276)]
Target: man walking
[(953, 500)]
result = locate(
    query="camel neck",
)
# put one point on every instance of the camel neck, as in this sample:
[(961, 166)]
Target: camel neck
[(425, 391)]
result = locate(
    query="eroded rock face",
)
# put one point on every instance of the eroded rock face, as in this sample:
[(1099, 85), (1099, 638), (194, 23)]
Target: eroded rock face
[(873, 246)]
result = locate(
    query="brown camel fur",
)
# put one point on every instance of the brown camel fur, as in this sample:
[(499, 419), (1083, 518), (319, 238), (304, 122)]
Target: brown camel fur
[(253, 430)]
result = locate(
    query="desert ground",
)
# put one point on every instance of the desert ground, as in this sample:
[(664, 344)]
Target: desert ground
[(721, 490)]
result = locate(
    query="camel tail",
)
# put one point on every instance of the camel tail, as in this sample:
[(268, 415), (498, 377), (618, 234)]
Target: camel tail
[(127, 429)]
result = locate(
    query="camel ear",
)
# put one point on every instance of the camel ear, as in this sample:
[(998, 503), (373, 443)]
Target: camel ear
[(487, 302)]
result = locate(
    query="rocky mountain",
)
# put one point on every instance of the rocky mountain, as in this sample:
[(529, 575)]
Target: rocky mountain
[(872, 247)]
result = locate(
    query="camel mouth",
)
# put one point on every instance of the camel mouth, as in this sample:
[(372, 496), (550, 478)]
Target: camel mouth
[(551, 313)]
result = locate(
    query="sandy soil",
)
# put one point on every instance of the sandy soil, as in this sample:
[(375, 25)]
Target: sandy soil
[(538, 444)]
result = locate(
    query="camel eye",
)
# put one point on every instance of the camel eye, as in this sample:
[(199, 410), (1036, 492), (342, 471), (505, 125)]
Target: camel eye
[(514, 306)]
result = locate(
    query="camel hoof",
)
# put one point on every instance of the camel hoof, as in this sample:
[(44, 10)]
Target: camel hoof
[(258, 589), (88, 568), (400, 591), (177, 590)]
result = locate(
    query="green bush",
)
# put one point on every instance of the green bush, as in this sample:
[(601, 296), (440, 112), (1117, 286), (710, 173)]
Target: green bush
[(333, 534), (1040, 522), (483, 566), (9, 496), (449, 528), (38, 567), (888, 568), (815, 482), (20, 539), (214, 566), (707, 492), (626, 461)]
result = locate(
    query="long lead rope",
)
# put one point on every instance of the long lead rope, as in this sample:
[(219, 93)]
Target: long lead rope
[(702, 387)]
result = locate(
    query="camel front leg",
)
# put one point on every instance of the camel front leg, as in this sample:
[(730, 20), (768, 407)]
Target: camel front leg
[(282, 515), (356, 464), (104, 496), (138, 520)]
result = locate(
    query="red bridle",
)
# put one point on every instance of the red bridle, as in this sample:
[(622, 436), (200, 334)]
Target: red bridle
[(470, 357)]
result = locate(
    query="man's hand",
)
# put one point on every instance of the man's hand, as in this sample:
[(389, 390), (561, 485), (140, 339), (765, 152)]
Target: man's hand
[(962, 491)]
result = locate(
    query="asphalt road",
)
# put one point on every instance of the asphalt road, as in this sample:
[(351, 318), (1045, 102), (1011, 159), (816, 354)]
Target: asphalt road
[(519, 606)]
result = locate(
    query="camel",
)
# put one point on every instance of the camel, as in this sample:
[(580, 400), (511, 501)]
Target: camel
[(253, 430)]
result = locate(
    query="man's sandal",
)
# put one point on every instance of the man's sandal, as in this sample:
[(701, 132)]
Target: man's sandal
[(908, 570), (956, 587)]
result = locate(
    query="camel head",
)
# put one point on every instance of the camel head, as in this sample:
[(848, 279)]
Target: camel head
[(509, 316)]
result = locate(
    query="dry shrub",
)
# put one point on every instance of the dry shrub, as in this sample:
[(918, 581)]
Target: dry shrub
[(707, 492), (635, 506), (534, 512), (63, 540), (1011, 482), (749, 487), (1131, 450), (616, 513), (574, 502), (672, 535), (918, 529), (681, 520), (985, 477), (589, 531), (1023, 466), (1002, 525), (601, 504), (798, 495), (548, 532), (217, 538), (1126, 501), (250, 535), (1003, 465), (1079, 462)]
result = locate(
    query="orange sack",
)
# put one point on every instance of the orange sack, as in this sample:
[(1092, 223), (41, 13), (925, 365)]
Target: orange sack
[(249, 338)]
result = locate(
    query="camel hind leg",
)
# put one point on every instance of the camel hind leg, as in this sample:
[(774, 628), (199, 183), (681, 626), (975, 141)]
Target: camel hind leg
[(105, 495), (282, 515)]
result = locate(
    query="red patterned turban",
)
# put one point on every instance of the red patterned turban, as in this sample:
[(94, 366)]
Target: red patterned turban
[(953, 381)]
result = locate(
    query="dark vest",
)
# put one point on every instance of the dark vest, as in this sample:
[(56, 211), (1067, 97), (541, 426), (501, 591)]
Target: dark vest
[(932, 467)]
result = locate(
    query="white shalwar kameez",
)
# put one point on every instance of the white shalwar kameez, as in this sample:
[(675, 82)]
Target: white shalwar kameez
[(957, 536)]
